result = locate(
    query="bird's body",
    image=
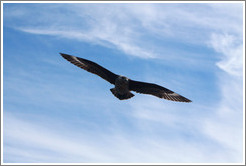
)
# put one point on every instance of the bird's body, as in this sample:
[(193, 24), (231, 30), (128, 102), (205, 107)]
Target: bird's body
[(121, 85), (121, 90), (124, 85)]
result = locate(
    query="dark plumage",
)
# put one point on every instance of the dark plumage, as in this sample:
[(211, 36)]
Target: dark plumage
[(124, 85)]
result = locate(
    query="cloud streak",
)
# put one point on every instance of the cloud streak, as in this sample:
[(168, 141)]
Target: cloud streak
[(125, 27), (227, 125), (67, 146), (232, 50)]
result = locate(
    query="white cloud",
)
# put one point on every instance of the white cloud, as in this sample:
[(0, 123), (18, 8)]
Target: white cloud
[(231, 48), (105, 26), (56, 144), (226, 124), (34, 136), (127, 27)]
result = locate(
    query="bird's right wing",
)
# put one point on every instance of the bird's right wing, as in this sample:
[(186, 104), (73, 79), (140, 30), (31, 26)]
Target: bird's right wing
[(156, 90), (91, 67)]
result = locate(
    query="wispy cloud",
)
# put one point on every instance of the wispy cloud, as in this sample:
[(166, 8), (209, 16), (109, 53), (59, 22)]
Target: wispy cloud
[(127, 27), (231, 47), (68, 146), (34, 136), (226, 125)]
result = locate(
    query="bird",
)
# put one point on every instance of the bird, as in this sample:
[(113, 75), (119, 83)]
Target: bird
[(124, 85)]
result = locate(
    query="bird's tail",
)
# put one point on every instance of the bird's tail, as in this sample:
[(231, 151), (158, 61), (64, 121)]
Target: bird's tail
[(120, 96)]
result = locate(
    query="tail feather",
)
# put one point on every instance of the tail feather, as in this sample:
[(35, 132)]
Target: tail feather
[(121, 97)]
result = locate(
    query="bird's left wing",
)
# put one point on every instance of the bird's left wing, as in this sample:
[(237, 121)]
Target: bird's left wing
[(91, 67), (156, 90)]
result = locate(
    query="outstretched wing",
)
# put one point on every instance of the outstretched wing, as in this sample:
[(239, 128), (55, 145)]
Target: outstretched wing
[(156, 90), (91, 67)]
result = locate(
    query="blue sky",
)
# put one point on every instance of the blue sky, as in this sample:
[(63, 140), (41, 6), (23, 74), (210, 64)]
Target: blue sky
[(54, 112)]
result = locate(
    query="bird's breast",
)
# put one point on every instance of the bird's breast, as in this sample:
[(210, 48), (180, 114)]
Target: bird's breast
[(121, 86)]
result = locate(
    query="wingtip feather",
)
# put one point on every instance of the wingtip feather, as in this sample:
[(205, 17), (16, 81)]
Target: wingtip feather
[(67, 57), (64, 55)]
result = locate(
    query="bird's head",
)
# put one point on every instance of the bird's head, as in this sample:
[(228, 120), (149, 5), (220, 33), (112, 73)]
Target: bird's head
[(123, 78)]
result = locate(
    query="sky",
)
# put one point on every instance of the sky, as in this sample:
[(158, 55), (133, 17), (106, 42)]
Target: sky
[(55, 112)]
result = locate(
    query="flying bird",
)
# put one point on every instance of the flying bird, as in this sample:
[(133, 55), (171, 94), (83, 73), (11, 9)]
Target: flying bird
[(124, 85)]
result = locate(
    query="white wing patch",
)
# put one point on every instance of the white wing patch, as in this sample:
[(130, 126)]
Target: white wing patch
[(174, 94), (76, 59)]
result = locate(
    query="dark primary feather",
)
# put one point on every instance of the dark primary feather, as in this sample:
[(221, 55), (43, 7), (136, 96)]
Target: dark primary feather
[(156, 90), (91, 67)]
